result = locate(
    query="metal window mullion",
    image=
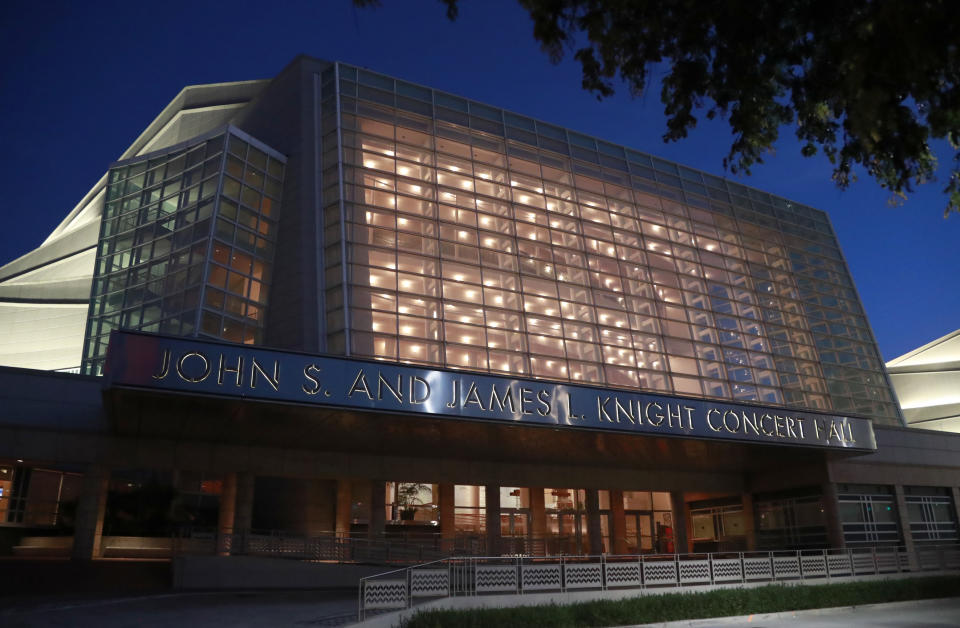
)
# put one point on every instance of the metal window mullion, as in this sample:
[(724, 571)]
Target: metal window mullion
[(343, 219), (318, 219), (215, 215)]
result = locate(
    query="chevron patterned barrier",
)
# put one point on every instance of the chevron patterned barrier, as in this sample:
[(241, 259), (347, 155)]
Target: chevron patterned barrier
[(472, 576)]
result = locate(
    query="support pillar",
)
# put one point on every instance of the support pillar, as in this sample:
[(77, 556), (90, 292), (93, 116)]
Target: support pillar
[(618, 523), (226, 514), (955, 494), (343, 511), (538, 521), (448, 520), (749, 522), (904, 520), (91, 507), (492, 499), (831, 515), (378, 509), (243, 515), (679, 507), (594, 529)]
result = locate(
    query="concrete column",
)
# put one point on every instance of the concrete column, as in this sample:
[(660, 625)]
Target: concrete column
[(831, 515), (343, 510), (679, 507), (88, 523), (538, 520), (243, 515), (955, 493), (448, 520), (904, 519), (594, 529), (378, 509), (749, 522), (226, 514), (618, 523), (492, 495)]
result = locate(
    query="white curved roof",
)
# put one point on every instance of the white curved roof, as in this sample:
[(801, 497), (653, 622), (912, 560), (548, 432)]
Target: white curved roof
[(927, 383)]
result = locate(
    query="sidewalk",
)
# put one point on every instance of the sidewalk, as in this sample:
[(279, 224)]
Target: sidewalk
[(256, 609), (305, 609), (925, 613)]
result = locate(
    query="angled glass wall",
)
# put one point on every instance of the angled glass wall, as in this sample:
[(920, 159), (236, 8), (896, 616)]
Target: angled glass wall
[(470, 237), (186, 243)]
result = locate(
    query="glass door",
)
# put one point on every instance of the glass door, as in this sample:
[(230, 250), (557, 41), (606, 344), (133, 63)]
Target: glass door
[(515, 530), (639, 531), (573, 532)]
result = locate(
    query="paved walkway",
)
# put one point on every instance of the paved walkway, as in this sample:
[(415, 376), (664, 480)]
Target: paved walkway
[(267, 609), (920, 614), (307, 609)]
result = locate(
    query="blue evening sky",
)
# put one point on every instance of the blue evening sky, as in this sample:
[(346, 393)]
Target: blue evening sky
[(80, 80)]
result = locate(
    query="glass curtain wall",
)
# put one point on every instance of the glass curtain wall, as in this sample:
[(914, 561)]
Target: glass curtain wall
[(186, 243), (483, 240)]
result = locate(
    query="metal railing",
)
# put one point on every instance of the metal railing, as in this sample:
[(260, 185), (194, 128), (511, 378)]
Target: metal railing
[(384, 550), (477, 576), (327, 548)]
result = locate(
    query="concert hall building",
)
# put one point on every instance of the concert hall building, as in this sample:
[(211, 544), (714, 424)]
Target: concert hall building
[(335, 303)]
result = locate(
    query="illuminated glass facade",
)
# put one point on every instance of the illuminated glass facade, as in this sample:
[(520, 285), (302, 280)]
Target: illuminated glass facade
[(388, 221), (186, 243), (465, 236)]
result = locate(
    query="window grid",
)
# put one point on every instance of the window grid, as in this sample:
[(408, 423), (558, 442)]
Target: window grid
[(422, 195), (932, 517), (164, 216)]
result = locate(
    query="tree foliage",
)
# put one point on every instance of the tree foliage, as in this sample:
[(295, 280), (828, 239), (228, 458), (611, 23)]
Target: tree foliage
[(870, 83)]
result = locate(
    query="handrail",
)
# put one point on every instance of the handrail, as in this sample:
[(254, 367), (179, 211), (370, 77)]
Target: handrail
[(328, 546), (519, 575)]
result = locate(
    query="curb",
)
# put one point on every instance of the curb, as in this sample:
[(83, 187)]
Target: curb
[(811, 612)]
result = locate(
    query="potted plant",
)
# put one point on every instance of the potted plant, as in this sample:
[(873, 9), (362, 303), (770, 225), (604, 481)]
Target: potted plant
[(408, 496)]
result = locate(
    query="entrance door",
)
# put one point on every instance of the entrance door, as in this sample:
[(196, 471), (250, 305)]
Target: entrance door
[(573, 532), (515, 530), (639, 531)]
